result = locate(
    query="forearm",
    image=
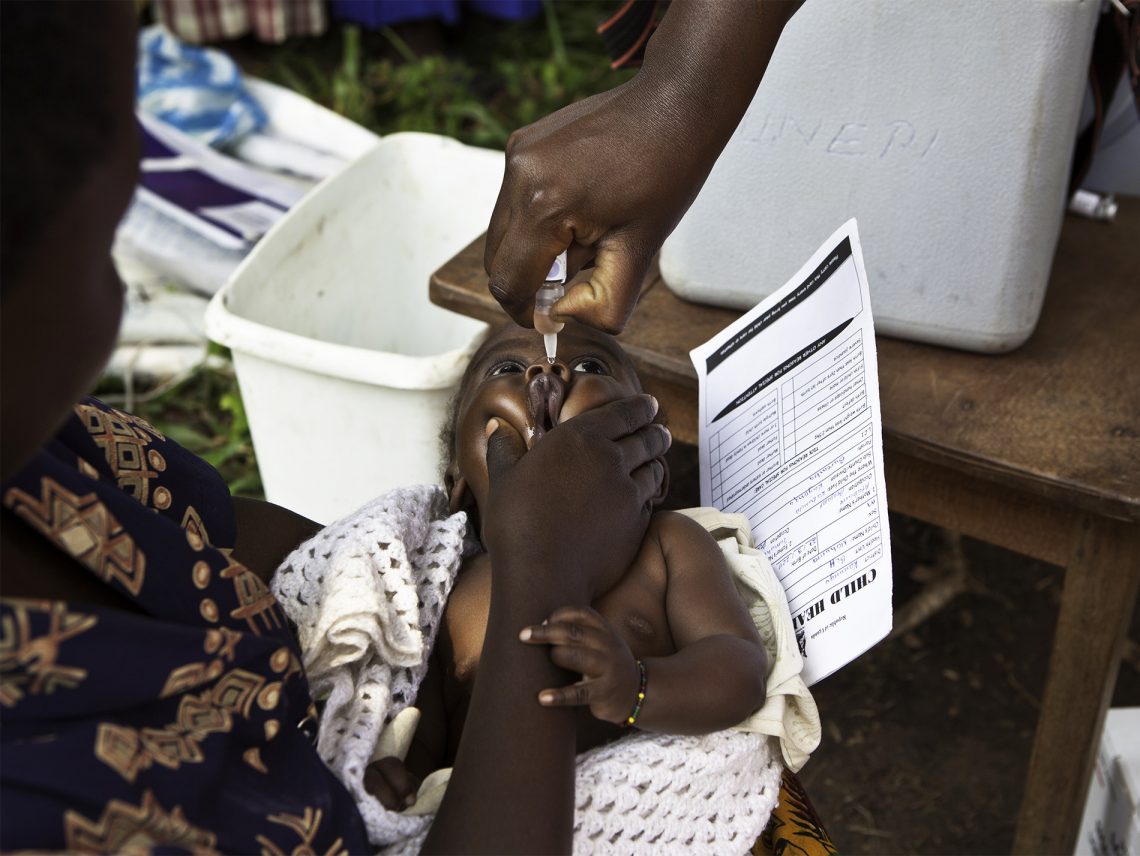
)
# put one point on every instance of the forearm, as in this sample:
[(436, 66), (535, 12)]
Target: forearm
[(428, 751), (707, 58), (712, 684), (513, 784)]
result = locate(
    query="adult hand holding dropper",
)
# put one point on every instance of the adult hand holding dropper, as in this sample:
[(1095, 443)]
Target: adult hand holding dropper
[(609, 177)]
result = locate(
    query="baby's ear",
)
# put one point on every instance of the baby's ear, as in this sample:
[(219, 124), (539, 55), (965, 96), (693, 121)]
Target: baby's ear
[(458, 497), (662, 418), (663, 491)]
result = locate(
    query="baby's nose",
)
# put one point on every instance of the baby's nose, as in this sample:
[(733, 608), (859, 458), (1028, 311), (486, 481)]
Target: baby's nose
[(558, 368)]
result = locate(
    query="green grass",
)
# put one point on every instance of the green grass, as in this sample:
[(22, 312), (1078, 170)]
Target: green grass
[(204, 413), (496, 76), (493, 77)]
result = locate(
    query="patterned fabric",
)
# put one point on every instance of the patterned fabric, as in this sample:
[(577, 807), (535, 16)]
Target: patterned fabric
[(203, 21), (375, 14), (794, 829), (199, 91), (183, 727)]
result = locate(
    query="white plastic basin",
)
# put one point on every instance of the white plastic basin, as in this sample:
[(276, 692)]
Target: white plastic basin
[(345, 367)]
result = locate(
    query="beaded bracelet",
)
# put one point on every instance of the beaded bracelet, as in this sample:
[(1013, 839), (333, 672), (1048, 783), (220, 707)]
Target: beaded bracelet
[(631, 720)]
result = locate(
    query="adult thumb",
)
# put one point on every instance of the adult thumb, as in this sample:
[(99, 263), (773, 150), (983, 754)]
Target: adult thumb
[(504, 448), (606, 300)]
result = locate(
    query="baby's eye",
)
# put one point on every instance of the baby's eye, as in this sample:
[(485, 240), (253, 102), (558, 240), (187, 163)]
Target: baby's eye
[(506, 367), (589, 365)]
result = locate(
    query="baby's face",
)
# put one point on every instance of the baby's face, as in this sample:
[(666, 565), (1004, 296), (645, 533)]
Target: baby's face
[(510, 380)]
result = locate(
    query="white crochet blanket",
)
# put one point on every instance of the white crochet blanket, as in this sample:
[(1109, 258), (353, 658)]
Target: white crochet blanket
[(367, 593)]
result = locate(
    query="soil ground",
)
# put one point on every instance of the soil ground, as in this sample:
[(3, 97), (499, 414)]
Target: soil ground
[(926, 737)]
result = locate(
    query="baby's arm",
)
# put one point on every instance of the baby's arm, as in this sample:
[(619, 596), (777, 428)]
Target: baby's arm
[(715, 679), (395, 782)]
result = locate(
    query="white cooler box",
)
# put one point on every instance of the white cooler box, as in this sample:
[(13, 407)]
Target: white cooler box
[(946, 128)]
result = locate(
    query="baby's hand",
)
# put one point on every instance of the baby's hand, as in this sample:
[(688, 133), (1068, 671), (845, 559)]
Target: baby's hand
[(582, 641), (390, 782)]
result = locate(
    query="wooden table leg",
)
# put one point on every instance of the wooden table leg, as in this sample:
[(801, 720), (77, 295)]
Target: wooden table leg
[(1100, 590)]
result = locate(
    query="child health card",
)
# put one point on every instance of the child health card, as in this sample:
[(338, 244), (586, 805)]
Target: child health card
[(791, 437)]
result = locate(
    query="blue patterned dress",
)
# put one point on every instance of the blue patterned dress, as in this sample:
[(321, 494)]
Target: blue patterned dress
[(186, 728)]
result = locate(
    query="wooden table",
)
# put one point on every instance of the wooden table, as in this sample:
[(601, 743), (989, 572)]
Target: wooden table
[(1037, 451)]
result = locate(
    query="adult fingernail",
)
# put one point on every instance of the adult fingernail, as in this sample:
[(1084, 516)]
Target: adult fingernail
[(492, 427), (545, 698), (654, 404), (525, 634)]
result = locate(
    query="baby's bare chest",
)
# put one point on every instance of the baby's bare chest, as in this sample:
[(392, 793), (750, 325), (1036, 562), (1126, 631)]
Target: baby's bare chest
[(634, 608)]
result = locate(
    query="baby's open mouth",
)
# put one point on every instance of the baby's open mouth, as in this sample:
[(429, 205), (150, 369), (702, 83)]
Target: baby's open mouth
[(544, 396)]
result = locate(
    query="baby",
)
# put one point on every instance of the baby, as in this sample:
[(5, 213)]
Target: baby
[(669, 647)]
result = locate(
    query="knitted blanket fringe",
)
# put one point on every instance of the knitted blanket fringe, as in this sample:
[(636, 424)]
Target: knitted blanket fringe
[(366, 594)]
